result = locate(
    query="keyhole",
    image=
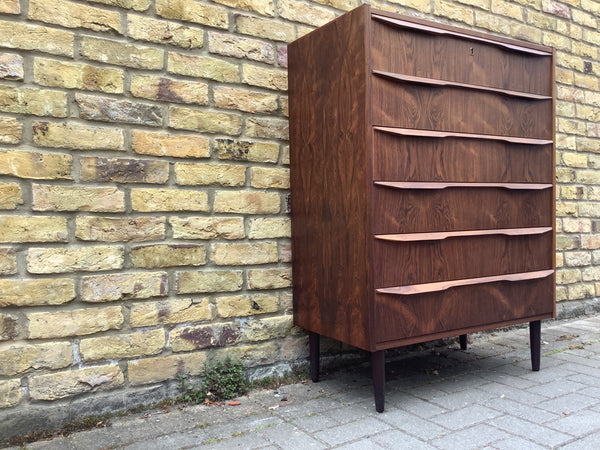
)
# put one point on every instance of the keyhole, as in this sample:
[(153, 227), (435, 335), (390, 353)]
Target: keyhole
[(471, 50)]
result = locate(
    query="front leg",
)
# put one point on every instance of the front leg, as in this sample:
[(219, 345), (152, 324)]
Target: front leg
[(378, 368), (313, 344)]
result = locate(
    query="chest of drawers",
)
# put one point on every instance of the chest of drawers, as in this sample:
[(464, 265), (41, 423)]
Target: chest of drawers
[(422, 183)]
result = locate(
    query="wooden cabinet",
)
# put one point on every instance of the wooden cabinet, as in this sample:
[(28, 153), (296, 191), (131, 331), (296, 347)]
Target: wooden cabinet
[(422, 171)]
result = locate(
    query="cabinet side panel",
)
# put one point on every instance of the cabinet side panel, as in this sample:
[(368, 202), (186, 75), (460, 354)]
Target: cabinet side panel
[(328, 161)]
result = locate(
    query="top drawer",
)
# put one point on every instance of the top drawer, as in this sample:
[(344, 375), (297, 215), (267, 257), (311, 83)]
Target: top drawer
[(463, 59)]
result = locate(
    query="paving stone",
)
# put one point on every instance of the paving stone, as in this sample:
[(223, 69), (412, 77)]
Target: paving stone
[(314, 422), (470, 438), (394, 439), (242, 425), (522, 411), (363, 444), (168, 442), (244, 441), (416, 406), (415, 426), (350, 414), (289, 436), (517, 443), (556, 388), (465, 417), (462, 399), (567, 404), (581, 423), (502, 391), (524, 428), (351, 431)]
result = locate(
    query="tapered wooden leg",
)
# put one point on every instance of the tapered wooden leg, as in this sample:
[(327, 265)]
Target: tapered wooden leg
[(535, 331), (378, 367), (313, 343), (463, 341)]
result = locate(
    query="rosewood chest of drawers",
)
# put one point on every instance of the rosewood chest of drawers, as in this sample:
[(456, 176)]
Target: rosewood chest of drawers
[(422, 183)]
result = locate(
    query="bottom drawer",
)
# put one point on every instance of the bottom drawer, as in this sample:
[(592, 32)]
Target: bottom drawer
[(406, 319)]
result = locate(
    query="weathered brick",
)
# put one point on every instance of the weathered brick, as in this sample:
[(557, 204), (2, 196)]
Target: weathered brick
[(173, 311), (163, 255), (247, 150), (195, 337), (203, 67), (574, 159), (265, 28), (204, 121), (269, 227), (54, 291), (572, 192), (49, 72), (154, 370), (591, 274), (507, 9), (137, 5), (33, 229), (169, 90), (578, 258), (265, 77), (241, 47), (266, 177), (27, 36), (250, 355), (18, 358), (591, 242), (225, 254), (86, 259), (490, 22), (37, 102), (115, 229), (10, 7), (566, 209), (69, 198), (8, 261), (35, 165), (298, 11), (284, 104), (568, 276), (10, 195), (77, 322), (10, 390), (589, 209), (147, 200), (268, 328), (244, 100), (8, 327), (129, 55), (190, 282), (264, 7), (113, 110), (556, 40), (576, 225), (164, 32), (269, 278), (267, 127), (74, 15), (585, 50), (165, 144), (203, 174), (558, 9), (11, 130), (584, 18), (246, 202), (122, 170), (282, 56), (580, 291), (542, 21), (11, 66), (107, 288), (246, 305), (64, 384), (150, 342), (591, 113), (192, 11), (482, 4), (207, 227), (77, 137), (588, 177), (526, 33)]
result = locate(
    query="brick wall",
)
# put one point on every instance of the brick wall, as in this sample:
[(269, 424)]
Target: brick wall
[(144, 223)]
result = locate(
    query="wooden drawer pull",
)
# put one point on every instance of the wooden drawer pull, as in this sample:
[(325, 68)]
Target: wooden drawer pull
[(444, 185), (438, 236), (449, 134)]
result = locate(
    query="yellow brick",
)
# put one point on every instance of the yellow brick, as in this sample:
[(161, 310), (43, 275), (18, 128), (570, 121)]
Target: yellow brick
[(564, 209), (11, 66), (164, 32), (557, 40), (267, 127), (10, 195), (241, 47), (507, 9), (585, 50), (571, 126), (9, 327), (591, 36), (525, 32), (33, 229), (137, 5), (574, 159), (492, 22), (87, 259), (244, 100), (264, 7), (247, 151), (114, 229), (55, 291), (564, 76), (162, 255), (285, 158), (10, 7), (67, 198), (77, 322), (8, 265), (113, 52), (35, 165), (33, 37), (77, 137), (581, 291), (204, 121), (564, 141), (203, 67), (265, 353), (268, 328), (165, 144), (482, 4), (263, 77), (207, 227), (58, 385), (190, 282), (247, 202), (192, 11), (108, 288), (265, 28), (266, 177), (169, 90), (269, 278), (73, 15), (591, 113), (154, 370), (584, 18), (147, 200), (48, 72), (150, 342), (455, 12), (269, 227), (10, 390), (572, 193), (10, 130), (232, 254), (108, 109), (173, 311), (576, 225), (205, 174), (246, 305), (37, 102), (542, 21), (18, 358), (297, 11)]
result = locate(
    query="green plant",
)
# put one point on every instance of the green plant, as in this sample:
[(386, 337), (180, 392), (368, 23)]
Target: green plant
[(223, 380)]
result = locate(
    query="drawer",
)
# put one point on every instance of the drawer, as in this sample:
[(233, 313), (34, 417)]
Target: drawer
[(414, 317), (411, 105), (400, 263), (417, 53), (455, 209), (409, 158)]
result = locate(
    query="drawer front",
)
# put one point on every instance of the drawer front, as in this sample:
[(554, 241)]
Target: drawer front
[(407, 158), (400, 317), (413, 52), (401, 263), (455, 209), (408, 105)]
